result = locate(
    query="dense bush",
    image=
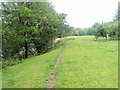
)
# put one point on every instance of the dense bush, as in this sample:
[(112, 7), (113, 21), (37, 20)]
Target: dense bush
[(30, 28)]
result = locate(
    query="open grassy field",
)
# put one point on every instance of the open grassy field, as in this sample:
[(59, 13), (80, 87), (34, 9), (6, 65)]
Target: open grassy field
[(85, 63), (88, 64)]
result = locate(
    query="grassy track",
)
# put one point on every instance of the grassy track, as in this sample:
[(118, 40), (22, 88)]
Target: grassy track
[(85, 63), (32, 73), (88, 64)]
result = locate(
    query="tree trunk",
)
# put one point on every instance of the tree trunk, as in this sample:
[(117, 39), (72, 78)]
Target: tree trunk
[(107, 37), (26, 50)]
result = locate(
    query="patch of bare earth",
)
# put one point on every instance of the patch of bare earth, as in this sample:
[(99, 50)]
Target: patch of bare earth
[(52, 80)]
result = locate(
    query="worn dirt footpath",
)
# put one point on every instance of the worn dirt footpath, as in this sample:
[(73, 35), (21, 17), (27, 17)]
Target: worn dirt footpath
[(52, 80)]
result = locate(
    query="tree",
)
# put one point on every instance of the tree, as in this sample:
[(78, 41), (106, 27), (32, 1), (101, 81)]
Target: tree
[(101, 32), (29, 25)]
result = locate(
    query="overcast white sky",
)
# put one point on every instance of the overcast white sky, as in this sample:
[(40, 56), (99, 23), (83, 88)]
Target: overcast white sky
[(84, 13)]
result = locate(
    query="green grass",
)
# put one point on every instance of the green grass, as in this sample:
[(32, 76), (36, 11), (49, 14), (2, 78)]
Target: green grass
[(32, 73), (86, 63)]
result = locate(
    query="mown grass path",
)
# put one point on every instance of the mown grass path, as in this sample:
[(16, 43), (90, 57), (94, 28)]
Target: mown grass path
[(52, 78), (80, 62)]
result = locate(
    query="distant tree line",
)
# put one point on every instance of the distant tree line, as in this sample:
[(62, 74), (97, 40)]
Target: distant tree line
[(104, 29), (110, 29), (75, 31), (107, 30)]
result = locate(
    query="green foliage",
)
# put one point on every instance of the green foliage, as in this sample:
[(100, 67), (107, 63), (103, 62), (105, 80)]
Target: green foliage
[(26, 23), (101, 30), (76, 32), (113, 30), (10, 62), (92, 30)]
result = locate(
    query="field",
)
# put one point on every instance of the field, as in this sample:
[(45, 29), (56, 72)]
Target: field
[(84, 63)]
